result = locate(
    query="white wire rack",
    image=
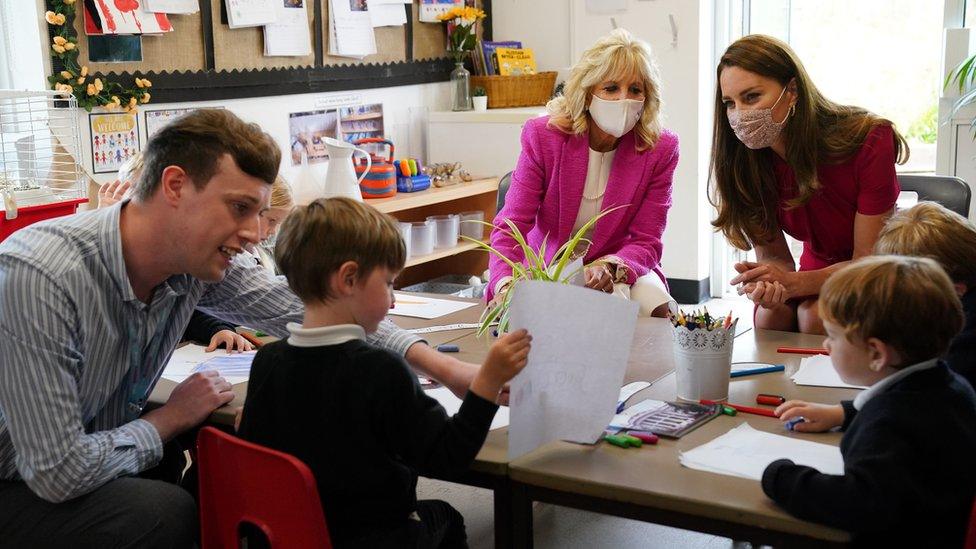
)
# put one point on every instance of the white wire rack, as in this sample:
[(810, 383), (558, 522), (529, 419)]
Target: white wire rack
[(40, 148)]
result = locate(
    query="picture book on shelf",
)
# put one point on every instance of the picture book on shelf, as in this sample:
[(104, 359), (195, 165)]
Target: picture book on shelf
[(514, 61), (488, 51)]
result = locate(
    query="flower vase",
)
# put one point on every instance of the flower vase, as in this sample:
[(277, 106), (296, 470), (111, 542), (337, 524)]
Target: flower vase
[(460, 88)]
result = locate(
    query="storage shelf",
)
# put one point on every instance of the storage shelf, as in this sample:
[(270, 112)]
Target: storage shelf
[(439, 253), (433, 195), (366, 116)]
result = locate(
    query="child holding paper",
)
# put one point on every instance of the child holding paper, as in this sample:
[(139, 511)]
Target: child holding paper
[(908, 478), (355, 413)]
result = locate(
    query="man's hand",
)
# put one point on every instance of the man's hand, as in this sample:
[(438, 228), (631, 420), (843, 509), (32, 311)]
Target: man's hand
[(231, 340), (190, 403)]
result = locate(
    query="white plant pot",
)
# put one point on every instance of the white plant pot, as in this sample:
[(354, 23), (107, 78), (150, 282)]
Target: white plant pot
[(480, 102)]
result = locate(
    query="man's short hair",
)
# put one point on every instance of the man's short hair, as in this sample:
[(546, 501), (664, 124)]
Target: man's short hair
[(932, 230), (197, 141), (907, 302), (315, 240)]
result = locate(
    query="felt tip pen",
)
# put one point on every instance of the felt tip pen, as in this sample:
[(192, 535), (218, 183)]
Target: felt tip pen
[(448, 348), (794, 421), (770, 400), (743, 409), (647, 438), (255, 341), (802, 351), (761, 370)]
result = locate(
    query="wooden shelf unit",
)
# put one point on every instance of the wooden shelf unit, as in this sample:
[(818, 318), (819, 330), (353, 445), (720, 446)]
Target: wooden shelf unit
[(465, 258)]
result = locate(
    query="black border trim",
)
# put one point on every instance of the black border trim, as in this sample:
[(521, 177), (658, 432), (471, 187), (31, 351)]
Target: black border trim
[(690, 291)]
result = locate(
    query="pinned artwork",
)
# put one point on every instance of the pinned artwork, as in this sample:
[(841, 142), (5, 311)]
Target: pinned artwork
[(123, 17), (114, 140)]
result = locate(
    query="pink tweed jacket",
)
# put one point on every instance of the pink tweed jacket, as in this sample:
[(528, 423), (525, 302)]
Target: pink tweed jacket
[(547, 188)]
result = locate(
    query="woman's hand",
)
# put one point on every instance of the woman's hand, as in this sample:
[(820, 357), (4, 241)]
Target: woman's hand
[(817, 417), (110, 193), (767, 295), (598, 277), (231, 340)]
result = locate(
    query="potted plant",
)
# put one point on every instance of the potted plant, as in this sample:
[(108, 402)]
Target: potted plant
[(964, 76), (480, 99), (536, 267)]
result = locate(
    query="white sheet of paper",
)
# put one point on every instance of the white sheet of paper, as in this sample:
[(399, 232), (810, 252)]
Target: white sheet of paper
[(622, 420), (745, 452), (289, 35), (426, 307), (632, 389), (819, 372), (452, 404), (251, 13), (446, 328), (191, 358), (350, 31), (580, 346), (387, 15), (172, 6)]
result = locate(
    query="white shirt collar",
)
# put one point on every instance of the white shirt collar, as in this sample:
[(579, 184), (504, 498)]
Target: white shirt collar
[(326, 335), (872, 391)]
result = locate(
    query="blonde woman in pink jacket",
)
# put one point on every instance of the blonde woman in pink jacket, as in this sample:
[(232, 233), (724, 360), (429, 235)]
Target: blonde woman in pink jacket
[(601, 146)]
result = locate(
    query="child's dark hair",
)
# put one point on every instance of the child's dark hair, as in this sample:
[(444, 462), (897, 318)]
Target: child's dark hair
[(315, 240)]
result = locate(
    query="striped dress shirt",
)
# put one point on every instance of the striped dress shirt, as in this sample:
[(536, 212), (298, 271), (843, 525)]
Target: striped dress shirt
[(71, 328)]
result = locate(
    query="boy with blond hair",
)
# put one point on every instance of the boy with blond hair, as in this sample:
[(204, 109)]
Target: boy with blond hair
[(932, 230), (908, 479), (353, 412)]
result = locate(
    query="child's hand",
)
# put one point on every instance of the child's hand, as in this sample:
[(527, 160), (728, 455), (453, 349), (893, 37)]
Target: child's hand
[(110, 193), (818, 417), (231, 340), (506, 358)]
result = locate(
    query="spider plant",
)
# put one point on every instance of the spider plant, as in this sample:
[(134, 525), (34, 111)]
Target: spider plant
[(535, 266), (964, 76)]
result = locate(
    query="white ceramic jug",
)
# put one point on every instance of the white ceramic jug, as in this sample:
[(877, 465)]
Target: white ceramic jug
[(341, 178)]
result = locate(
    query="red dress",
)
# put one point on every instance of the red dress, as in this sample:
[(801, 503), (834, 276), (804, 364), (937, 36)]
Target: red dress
[(865, 184)]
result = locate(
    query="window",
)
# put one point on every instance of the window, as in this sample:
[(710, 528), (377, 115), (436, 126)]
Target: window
[(883, 55)]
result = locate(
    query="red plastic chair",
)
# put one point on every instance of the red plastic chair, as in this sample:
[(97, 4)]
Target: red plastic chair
[(242, 483), (971, 531)]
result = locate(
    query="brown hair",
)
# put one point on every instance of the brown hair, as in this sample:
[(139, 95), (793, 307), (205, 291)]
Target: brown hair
[(197, 141), (315, 240), (820, 131), (907, 302), (611, 56), (931, 230)]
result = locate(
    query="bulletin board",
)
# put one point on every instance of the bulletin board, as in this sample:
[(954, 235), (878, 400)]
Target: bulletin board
[(204, 59)]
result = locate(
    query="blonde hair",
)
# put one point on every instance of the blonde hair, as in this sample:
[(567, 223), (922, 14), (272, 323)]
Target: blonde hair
[(317, 239), (617, 53), (281, 196), (907, 302), (932, 230), (744, 188)]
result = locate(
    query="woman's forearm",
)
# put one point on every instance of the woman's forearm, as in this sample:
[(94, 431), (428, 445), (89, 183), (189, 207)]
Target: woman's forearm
[(810, 282)]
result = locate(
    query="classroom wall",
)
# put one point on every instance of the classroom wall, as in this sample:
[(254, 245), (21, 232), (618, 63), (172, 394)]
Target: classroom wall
[(688, 85)]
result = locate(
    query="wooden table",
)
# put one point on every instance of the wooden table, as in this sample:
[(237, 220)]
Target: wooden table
[(650, 484)]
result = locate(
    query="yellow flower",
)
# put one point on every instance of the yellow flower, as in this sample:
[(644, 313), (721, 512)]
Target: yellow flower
[(111, 106), (67, 75), (57, 48), (146, 83), (53, 18), (145, 98), (139, 83), (81, 79), (59, 40), (132, 102), (69, 2), (91, 90), (64, 88), (84, 69), (69, 46), (98, 84)]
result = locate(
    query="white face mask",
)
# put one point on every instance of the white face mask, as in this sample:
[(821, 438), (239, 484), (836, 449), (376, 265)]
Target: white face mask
[(616, 117)]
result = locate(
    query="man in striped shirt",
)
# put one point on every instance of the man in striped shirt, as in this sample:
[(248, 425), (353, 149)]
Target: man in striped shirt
[(91, 308)]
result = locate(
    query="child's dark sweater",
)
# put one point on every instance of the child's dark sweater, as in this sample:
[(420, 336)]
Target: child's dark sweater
[(908, 473), (357, 417), (961, 356)]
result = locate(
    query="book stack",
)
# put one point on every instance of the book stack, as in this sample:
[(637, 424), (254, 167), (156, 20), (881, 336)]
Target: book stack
[(503, 58)]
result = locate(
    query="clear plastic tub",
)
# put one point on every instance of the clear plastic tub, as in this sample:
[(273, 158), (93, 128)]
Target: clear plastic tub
[(471, 224), (421, 238), (405, 233), (447, 229)]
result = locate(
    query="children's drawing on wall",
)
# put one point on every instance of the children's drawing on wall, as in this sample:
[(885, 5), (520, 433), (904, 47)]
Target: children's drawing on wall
[(122, 17), (307, 130), (430, 9), (160, 118), (114, 140), (361, 121), (357, 5)]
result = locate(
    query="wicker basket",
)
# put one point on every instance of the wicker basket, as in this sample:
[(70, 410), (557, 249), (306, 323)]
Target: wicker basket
[(516, 91)]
